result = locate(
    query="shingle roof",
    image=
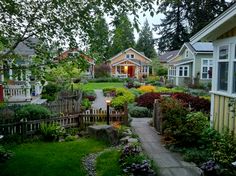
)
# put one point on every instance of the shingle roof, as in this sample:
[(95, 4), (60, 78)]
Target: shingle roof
[(168, 55), (203, 47), (26, 48)]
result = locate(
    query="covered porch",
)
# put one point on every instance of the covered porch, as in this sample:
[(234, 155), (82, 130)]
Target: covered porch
[(129, 69)]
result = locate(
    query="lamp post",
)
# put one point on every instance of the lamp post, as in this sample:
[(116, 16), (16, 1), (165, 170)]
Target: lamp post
[(108, 101)]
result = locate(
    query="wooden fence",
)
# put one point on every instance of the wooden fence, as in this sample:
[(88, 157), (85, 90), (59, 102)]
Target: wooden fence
[(66, 105), (157, 117), (83, 120)]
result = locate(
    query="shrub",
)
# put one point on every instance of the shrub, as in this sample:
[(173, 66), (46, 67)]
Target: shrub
[(133, 84), (173, 116), (210, 168), (102, 71), (196, 103), (109, 92), (224, 150), (4, 154), (90, 95), (51, 132), (135, 92), (86, 104), (196, 155), (122, 96), (190, 131), (33, 112), (136, 111), (50, 91), (147, 99), (147, 88)]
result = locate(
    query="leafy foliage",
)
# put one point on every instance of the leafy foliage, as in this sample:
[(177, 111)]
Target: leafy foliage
[(147, 99), (102, 71), (123, 96), (86, 104), (33, 112), (50, 91), (196, 103), (147, 88), (51, 131), (137, 111), (4, 154)]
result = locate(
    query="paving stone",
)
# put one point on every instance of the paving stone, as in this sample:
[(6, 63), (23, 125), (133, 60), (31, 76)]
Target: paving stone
[(170, 164)]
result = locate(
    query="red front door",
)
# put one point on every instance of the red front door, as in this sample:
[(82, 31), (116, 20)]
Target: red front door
[(131, 71)]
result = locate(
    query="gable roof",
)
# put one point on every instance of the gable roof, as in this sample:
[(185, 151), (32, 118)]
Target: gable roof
[(217, 27), (198, 47), (25, 48), (120, 53), (65, 54), (168, 55)]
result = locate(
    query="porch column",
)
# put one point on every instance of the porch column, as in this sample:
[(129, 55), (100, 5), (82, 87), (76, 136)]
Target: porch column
[(148, 70), (27, 75), (2, 73), (27, 90), (21, 75), (10, 70), (37, 88), (116, 70)]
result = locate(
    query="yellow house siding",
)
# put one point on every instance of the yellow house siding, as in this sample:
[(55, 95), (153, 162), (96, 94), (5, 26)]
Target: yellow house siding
[(223, 117)]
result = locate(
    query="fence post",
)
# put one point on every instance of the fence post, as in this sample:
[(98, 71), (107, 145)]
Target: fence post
[(23, 128), (126, 116)]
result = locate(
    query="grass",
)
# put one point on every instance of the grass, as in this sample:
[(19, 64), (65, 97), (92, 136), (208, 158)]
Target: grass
[(93, 86), (49, 159), (108, 164)]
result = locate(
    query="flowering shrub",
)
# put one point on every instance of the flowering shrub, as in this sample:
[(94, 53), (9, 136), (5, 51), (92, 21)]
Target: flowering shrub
[(147, 99), (147, 88), (102, 71), (109, 92), (137, 111)]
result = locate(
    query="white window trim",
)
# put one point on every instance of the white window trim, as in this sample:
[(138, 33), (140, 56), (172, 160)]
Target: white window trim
[(129, 56), (208, 66), (231, 42), (183, 71), (172, 71)]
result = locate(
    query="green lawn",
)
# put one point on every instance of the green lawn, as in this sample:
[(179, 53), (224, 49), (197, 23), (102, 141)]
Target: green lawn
[(49, 159), (92, 86), (108, 164)]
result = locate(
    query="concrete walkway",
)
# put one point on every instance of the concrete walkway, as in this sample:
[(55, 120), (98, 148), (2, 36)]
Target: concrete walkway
[(170, 164), (99, 102)]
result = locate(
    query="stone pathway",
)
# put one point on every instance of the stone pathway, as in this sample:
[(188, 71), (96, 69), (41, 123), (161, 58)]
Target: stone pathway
[(99, 103), (170, 164)]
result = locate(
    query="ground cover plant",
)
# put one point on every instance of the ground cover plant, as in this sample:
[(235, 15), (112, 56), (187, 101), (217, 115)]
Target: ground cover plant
[(50, 158)]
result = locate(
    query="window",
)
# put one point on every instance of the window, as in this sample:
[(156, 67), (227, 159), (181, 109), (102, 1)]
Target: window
[(224, 52), (120, 69), (184, 71), (223, 66), (207, 65), (129, 56), (223, 76), (172, 71), (186, 53), (145, 69)]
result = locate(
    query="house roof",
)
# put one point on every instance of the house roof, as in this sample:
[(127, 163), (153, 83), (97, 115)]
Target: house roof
[(220, 25), (181, 62), (65, 54), (26, 48), (140, 53), (134, 61), (168, 55), (198, 47)]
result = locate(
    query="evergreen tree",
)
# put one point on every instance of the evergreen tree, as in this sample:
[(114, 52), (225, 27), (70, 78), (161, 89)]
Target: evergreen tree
[(145, 42), (184, 18), (172, 29), (99, 39), (123, 35)]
